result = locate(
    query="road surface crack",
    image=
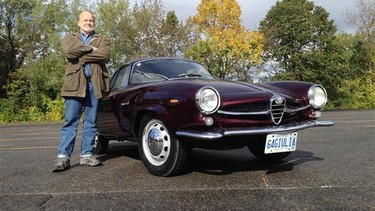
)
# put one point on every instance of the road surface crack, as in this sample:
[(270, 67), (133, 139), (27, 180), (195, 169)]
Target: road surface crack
[(44, 202)]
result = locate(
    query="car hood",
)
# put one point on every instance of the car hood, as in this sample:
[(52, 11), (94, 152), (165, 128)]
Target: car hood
[(230, 87), (237, 92), (222, 86), (230, 91), (242, 89)]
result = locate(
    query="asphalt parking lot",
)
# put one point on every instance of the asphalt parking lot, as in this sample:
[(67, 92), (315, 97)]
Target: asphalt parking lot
[(332, 169)]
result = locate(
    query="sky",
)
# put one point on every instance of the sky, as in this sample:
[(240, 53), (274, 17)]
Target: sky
[(253, 11)]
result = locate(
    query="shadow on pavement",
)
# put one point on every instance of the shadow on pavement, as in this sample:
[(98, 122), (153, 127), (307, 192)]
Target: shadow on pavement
[(219, 162), (222, 163), (128, 149)]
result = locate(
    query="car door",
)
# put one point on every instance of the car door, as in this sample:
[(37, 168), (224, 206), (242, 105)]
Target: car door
[(109, 118)]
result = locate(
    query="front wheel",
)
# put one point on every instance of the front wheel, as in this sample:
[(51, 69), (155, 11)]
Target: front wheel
[(161, 153), (100, 145), (257, 148)]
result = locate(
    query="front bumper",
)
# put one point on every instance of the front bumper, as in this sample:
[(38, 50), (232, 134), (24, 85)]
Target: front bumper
[(205, 135)]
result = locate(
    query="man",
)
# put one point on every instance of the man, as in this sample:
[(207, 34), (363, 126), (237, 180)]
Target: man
[(86, 81)]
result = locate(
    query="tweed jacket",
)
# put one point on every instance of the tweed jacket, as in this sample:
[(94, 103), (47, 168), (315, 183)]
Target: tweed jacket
[(77, 54)]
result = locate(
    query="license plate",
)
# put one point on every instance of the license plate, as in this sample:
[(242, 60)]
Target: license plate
[(276, 143)]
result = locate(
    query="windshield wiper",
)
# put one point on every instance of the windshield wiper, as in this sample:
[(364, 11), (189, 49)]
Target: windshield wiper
[(189, 75), (161, 76), (142, 73), (153, 74)]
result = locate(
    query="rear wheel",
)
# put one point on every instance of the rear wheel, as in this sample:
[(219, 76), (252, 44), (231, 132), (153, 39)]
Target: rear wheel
[(257, 148), (161, 153), (100, 144)]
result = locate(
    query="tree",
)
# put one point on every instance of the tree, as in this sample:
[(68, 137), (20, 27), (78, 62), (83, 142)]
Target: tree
[(31, 76), (11, 38), (175, 35), (72, 9), (29, 30), (36, 85), (157, 33), (143, 31), (115, 20), (302, 39), (216, 16), (226, 47), (31, 59), (363, 19)]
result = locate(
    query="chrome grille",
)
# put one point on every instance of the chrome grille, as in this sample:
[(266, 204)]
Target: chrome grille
[(277, 108), (248, 107), (266, 110)]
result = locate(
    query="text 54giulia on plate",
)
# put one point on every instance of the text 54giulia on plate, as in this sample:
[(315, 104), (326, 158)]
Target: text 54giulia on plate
[(276, 143)]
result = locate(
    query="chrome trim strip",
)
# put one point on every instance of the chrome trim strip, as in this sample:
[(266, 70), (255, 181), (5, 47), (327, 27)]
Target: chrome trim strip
[(275, 129), (324, 123), (287, 110), (244, 113), (199, 135), (297, 109)]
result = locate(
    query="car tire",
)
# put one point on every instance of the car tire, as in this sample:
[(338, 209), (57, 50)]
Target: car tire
[(100, 145), (161, 153), (257, 149)]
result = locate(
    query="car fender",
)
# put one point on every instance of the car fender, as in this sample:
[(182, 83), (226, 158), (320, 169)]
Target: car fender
[(155, 109)]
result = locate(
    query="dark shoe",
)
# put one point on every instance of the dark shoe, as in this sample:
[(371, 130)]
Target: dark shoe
[(90, 161), (61, 164)]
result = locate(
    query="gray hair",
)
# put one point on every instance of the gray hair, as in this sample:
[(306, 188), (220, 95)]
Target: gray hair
[(93, 16)]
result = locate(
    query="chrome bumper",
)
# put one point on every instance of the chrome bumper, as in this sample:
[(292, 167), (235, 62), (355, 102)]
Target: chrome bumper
[(252, 131)]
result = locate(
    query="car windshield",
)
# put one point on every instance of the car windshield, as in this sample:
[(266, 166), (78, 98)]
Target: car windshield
[(166, 69)]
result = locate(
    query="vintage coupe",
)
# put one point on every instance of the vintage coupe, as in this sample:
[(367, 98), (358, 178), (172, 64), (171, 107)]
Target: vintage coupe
[(170, 105)]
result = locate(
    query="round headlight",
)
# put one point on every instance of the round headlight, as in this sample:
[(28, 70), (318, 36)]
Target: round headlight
[(317, 96), (207, 99)]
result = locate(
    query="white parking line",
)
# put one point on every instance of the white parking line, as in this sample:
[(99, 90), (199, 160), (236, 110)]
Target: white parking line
[(27, 148), (352, 121), (36, 138)]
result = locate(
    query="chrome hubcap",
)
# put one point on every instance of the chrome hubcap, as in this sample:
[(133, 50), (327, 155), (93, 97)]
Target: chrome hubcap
[(156, 142)]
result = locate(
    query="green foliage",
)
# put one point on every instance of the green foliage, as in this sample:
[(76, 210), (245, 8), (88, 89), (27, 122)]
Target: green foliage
[(301, 38), (115, 21), (362, 18), (226, 47), (143, 31), (7, 110), (353, 86), (34, 90), (32, 64), (72, 10), (11, 113), (295, 33), (43, 76), (358, 93), (28, 29), (175, 35), (298, 34), (157, 33), (11, 38), (55, 109)]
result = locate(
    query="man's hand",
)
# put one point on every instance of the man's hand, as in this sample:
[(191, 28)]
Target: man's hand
[(94, 48)]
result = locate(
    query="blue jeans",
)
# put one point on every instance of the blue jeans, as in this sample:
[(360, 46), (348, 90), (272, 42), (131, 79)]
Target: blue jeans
[(73, 111)]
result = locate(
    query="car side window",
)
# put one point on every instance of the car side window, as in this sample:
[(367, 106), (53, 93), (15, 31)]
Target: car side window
[(122, 79)]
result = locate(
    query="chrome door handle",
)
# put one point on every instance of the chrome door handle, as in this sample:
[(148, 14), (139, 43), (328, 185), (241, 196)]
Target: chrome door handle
[(125, 104)]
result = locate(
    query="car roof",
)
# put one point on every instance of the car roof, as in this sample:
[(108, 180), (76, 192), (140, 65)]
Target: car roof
[(158, 58)]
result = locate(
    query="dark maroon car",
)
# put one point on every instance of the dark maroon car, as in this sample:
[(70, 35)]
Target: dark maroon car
[(171, 105)]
